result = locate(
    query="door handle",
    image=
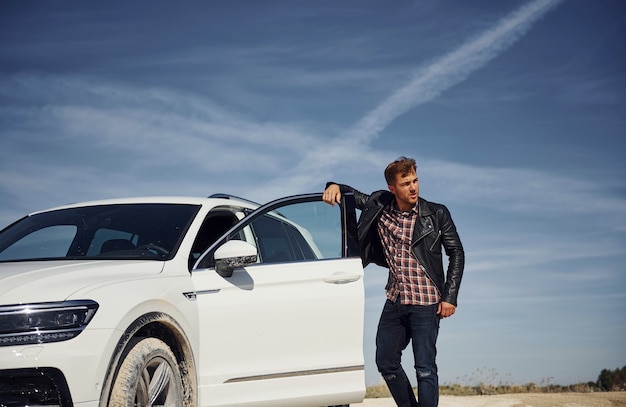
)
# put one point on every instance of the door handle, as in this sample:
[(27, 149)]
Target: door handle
[(342, 278)]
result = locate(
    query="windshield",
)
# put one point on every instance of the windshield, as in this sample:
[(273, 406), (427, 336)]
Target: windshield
[(118, 231)]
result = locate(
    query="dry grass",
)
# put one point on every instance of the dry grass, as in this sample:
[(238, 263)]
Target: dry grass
[(377, 392), (485, 382)]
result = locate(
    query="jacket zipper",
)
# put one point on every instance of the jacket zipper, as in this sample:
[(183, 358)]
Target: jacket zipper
[(436, 239)]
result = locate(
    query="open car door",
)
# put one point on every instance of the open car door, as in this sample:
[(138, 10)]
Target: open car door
[(281, 304)]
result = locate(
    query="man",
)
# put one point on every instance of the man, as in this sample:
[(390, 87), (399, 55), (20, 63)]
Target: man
[(405, 233)]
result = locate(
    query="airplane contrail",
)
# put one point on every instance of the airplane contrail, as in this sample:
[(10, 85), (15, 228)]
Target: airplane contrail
[(427, 83), (450, 69)]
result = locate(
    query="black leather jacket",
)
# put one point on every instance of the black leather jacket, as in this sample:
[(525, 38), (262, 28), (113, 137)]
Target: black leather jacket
[(433, 229)]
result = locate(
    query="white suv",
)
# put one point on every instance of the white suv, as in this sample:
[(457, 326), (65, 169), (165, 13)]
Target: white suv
[(182, 302)]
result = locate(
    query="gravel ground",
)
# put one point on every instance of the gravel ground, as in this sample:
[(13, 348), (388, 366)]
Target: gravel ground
[(608, 399)]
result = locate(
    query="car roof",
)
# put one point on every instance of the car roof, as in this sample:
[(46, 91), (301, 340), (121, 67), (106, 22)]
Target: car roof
[(214, 200)]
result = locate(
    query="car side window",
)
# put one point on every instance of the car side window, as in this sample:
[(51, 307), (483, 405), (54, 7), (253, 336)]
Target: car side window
[(274, 241), (297, 228), (298, 232)]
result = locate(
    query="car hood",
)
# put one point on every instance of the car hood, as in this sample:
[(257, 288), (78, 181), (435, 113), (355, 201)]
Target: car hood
[(38, 281)]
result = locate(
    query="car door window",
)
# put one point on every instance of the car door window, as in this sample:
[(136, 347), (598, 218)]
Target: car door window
[(302, 229), (280, 241)]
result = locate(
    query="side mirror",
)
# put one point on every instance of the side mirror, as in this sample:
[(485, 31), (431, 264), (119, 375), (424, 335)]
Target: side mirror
[(233, 254)]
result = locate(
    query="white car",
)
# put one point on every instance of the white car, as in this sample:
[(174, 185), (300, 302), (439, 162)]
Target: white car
[(182, 302)]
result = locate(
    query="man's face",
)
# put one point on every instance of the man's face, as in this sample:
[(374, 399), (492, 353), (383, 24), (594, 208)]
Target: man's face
[(406, 190)]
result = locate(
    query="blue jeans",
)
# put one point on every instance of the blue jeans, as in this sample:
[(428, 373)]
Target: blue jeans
[(400, 324)]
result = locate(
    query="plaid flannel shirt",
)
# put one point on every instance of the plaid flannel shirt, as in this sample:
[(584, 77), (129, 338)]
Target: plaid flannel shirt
[(407, 280)]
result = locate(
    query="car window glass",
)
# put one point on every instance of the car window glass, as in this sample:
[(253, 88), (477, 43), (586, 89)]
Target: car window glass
[(302, 231), (99, 243), (116, 231), (274, 242), (300, 228), (49, 242)]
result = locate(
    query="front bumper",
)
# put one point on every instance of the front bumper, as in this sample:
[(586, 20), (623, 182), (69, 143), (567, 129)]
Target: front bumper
[(71, 371), (33, 387)]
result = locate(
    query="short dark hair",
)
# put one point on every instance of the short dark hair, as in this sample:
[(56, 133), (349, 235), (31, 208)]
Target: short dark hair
[(402, 166)]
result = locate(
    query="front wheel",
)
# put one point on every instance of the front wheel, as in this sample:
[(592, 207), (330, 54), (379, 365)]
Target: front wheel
[(149, 376)]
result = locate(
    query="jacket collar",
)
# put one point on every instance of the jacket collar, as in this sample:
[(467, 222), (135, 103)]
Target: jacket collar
[(424, 207)]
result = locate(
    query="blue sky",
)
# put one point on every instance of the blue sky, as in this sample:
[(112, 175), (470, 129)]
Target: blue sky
[(514, 110)]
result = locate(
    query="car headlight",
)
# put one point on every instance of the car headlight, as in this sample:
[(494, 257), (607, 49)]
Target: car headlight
[(44, 322)]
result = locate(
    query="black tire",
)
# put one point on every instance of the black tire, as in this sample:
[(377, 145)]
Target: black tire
[(149, 376)]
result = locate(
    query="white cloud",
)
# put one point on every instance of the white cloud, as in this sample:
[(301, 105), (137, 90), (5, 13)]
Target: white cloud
[(186, 130), (351, 147), (521, 190), (147, 128)]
